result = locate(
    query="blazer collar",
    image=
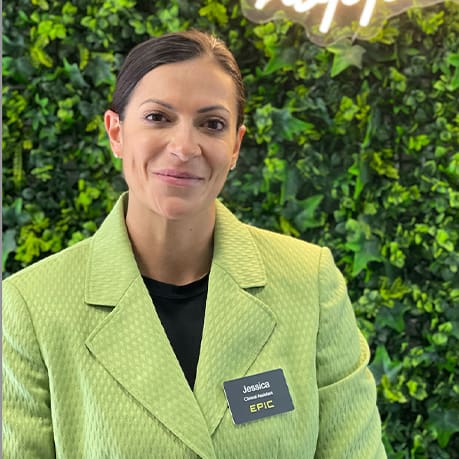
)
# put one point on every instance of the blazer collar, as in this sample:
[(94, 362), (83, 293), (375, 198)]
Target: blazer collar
[(112, 266), (132, 346), (235, 251)]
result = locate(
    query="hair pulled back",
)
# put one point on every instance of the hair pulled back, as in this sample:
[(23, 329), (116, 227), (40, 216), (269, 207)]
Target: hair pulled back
[(168, 49)]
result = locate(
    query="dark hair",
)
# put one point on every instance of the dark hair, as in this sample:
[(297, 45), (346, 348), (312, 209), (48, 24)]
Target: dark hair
[(170, 48)]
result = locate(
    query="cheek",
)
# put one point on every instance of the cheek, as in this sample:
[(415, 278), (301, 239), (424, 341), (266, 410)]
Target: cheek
[(222, 152), (221, 167), (137, 144), (132, 164), (138, 151)]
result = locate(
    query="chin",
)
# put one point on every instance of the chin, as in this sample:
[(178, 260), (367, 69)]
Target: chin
[(178, 209)]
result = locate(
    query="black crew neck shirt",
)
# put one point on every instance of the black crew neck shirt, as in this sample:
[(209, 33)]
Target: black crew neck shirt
[(181, 309)]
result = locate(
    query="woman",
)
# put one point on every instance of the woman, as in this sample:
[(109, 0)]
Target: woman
[(133, 343)]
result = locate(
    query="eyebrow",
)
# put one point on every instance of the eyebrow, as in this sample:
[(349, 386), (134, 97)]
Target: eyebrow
[(170, 107)]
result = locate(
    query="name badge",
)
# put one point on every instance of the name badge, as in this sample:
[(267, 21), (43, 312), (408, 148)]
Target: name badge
[(258, 396)]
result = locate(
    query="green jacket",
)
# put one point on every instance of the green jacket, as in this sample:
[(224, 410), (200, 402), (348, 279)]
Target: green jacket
[(89, 371)]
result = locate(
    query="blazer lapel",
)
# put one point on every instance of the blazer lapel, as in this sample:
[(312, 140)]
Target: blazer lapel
[(130, 343), (237, 325)]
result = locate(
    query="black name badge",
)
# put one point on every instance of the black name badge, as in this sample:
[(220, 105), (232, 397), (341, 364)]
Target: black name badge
[(258, 396)]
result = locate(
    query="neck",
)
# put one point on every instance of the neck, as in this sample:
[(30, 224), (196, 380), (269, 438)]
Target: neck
[(172, 251)]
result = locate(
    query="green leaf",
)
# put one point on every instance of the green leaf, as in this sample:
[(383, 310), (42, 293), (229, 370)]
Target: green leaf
[(369, 251), (8, 245), (290, 126), (74, 74), (214, 10), (445, 422), (282, 58), (383, 365), (287, 227), (346, 55), (417, 388), (306, 218), (100, 70), (393, 318)]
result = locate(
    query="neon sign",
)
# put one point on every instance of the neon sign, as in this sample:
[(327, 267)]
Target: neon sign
[(327, 21)]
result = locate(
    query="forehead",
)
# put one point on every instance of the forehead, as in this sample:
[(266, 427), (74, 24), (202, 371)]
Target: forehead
[(198, 81)]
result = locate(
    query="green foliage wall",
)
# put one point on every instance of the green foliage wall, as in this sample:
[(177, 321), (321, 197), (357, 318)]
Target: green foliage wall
[(364, 160)]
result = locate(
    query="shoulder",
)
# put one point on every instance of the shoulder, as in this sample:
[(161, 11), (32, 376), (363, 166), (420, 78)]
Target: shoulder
[(285, 250), (282, 242), (68, 265), (300, 261), (64, 266), (281, 255)]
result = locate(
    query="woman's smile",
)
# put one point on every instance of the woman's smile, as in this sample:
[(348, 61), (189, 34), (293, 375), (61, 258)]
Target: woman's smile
[(178, 178)]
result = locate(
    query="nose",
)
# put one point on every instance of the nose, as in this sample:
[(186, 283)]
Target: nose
[(184, 142)]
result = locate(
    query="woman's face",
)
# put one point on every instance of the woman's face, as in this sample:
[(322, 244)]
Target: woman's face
[(178, 139)]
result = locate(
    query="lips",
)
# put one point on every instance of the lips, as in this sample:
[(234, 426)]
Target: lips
[(177, 177), (177, 174)]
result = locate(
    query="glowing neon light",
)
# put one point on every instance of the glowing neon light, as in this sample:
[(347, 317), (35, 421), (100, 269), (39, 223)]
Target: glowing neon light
[(328, 21), (302, 6)]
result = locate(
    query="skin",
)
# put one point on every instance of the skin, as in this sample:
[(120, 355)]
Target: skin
[(178, 140)]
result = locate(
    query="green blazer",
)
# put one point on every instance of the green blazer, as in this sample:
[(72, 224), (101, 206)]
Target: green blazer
[(89, 371)]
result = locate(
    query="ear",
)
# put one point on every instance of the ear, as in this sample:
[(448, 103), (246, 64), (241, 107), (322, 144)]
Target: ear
[(237, 147), (113, 127)]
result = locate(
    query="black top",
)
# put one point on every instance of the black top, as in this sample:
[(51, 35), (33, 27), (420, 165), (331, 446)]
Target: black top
[(181, 311)]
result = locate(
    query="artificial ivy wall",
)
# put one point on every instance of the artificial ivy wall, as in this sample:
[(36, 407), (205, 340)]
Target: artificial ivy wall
[(355, 147)]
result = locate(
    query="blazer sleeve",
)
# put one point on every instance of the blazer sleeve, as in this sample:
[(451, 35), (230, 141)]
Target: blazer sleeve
[(27, 425), (349, 424)]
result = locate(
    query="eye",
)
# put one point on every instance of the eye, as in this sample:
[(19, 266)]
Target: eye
[(156, 117), (214, 124)]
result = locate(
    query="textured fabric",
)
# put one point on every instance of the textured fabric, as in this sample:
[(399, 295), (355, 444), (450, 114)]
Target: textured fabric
[(89, 371), (180, 309)]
